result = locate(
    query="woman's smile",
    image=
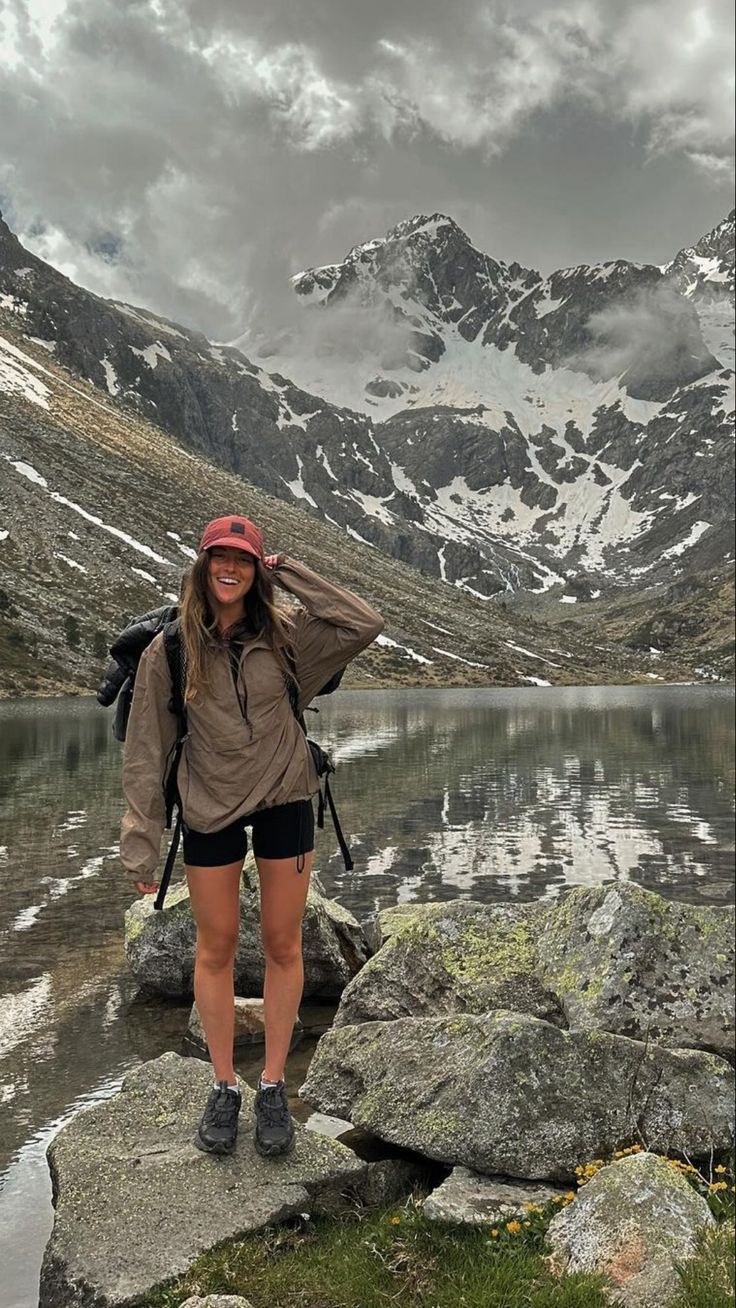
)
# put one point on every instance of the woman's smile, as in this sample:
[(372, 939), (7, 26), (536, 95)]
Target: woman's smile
[(231, 575)]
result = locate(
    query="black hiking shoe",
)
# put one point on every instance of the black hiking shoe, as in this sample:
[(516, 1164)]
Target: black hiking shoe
[(274, 1133), (218, 1129)]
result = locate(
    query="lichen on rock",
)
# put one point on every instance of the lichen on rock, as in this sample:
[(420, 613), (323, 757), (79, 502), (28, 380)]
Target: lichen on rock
[(446, 958), (623, 959), (506, 1093), (632, 1222)]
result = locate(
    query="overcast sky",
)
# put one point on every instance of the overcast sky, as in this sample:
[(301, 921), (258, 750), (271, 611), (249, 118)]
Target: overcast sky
[(189, 155)]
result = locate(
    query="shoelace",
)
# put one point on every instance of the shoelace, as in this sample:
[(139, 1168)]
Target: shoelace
[(223, 1111), (273, 1107)]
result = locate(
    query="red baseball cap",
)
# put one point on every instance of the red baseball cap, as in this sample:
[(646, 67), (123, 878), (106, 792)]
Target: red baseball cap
[(235, 533)]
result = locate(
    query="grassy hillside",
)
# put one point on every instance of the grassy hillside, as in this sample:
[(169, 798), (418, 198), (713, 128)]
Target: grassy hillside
[(99, 513)]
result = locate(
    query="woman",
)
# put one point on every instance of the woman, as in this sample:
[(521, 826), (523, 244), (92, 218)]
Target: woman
[(245, 762)]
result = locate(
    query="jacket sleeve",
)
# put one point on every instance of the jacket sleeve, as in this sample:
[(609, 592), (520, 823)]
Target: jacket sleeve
[(332, 627), (149, 740)]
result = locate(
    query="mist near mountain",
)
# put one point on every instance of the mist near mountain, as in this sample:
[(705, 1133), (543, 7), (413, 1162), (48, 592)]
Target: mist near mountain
[(547, 441)]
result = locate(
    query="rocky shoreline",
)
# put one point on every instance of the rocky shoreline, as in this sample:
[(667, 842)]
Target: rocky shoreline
[(489, 1050)]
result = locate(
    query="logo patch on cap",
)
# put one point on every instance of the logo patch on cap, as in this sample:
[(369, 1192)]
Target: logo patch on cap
[(237, 528)]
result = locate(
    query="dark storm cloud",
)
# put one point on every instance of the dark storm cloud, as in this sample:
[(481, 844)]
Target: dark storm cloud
[(191, 156)]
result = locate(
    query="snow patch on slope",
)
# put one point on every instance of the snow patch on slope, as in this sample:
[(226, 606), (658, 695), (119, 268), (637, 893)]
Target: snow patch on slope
[(15, 377)]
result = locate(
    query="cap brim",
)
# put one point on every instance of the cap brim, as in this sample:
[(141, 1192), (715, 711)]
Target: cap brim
[(234, 543)]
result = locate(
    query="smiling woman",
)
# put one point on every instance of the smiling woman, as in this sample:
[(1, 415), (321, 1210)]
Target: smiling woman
[(245, 761)]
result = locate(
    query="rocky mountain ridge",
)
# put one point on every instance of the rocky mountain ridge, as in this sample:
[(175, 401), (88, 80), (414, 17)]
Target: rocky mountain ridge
[(489, 445), (426, 276), (100, 513)]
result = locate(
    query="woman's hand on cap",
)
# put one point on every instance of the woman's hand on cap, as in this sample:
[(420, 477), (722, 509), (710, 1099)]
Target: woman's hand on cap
[(273, 560)]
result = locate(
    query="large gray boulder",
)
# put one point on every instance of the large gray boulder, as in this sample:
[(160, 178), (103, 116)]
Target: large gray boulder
[(510, 1094), (614, 958), (136, 1202), (633, 1222), (452, 958), (624, 959), (160, 945)]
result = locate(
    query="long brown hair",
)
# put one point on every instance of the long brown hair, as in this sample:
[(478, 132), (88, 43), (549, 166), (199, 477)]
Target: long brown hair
[(199, 626)]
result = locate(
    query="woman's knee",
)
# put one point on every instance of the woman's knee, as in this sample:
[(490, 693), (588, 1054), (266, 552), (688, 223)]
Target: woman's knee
[(282, 950), (216, 950)]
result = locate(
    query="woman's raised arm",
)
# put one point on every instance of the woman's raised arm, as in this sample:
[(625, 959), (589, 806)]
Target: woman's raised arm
[(331, 629)]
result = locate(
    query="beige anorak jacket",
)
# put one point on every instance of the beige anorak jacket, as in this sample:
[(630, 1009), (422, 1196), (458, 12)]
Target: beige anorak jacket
[(245, 749)]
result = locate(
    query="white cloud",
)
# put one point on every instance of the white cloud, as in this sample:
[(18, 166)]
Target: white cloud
[(191, 156), (674, 64)]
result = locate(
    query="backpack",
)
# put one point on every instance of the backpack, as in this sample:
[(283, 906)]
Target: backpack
[(119, 683)]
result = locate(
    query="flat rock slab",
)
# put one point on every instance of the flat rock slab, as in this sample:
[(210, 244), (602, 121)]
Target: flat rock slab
[(323, 1124), (511, 1095), (470, 1199), (633, 1222), (217, 1301), (136, 1202)]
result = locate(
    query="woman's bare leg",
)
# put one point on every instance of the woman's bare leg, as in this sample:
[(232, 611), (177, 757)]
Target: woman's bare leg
[(283, 897), (215, 899)]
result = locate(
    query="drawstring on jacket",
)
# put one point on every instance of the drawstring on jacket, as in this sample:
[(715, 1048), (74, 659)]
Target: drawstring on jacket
[(235, 653)]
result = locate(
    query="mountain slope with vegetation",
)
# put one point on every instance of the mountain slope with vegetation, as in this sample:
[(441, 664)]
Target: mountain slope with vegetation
[(100, 513)]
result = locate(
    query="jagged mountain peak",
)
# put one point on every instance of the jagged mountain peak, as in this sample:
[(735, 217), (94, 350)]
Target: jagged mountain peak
[(421, 317), (401, 256), (432, 226), (706, 269)]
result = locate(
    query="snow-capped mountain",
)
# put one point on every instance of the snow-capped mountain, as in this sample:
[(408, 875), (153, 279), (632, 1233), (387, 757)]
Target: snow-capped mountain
[(550, 424), (423, 318), (508, 433), (704, 274)]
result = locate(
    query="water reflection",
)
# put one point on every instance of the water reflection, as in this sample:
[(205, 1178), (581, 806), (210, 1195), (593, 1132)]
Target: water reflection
[(477, 793), (495, 795)]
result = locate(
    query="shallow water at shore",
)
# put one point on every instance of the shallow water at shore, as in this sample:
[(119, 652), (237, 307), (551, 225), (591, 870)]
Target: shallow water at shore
[(497, 795)]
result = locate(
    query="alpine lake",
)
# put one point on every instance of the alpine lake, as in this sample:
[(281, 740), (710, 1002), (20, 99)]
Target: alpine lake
[(497, 795)]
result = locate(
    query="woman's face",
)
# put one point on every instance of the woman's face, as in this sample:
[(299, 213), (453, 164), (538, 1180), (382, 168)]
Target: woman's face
[(231, 575)]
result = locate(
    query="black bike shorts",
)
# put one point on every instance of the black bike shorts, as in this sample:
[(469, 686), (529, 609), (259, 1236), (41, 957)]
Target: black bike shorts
[(284, 831)]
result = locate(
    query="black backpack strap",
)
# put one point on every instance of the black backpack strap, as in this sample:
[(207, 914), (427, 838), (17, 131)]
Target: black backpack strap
[(347, 860), (175, 658), (292, 687), (322, 761), (169, 864), (324, 767)]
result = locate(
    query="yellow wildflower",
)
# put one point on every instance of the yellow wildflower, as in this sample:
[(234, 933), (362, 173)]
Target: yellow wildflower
[(495, 1233), (570, 1195), (513, 1227), (527, 1225), (395, 1221), (718, 1185), (720, 1170)]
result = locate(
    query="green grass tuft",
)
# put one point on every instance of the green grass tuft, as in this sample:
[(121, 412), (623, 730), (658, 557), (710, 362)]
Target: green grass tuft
[(708, 1280), (373, 1258)]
